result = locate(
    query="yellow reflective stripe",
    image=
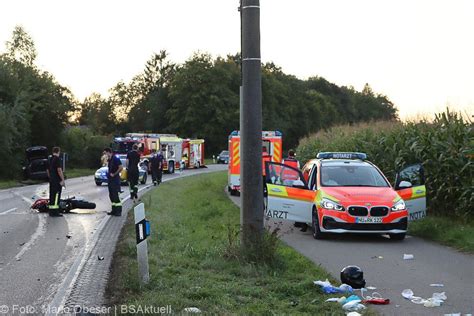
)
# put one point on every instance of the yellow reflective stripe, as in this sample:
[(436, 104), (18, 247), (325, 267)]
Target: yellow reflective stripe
[(117, 204), (277, 190), (321, 194), (56, 203), (418, 192), (276, 152)]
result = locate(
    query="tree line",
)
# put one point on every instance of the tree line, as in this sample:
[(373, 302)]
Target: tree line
[(198, 98)]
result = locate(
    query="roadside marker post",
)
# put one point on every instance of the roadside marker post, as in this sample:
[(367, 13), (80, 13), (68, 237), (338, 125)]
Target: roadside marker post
[(142, 229)]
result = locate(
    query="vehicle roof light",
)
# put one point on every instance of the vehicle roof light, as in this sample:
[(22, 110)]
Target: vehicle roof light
[(341, 155)]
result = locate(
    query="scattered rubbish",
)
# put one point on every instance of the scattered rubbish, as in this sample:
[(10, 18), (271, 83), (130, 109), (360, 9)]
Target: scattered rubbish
[(408, 256), (353, 306), (328, 288), (38, 279), (18, 259), (408, 294), (377, 301), (354, 314), (354, 276), (22, 244), (333, 299), (436, 300), (376, 257), (294, 303), (100, 258), (68, 236), (437, 285), (192, 310), (371, 288), (322, 283)]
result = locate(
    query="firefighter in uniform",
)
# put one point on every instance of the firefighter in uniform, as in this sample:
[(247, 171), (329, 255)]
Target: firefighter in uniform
[(156, 165), (133, 159), (291, 160), (113, 176), (56, 182)]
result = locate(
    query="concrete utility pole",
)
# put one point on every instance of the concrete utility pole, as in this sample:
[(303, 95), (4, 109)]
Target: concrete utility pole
[(251, 212)]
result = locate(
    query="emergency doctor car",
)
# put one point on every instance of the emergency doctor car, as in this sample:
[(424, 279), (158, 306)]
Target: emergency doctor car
[(345, 193)]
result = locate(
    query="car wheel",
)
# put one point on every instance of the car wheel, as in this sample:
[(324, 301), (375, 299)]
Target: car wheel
[(144, 179), (317, 234), (171, 168), (397, 236), (98, 183)]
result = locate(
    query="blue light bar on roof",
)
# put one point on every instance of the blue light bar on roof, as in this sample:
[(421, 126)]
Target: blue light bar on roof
[(341, 155)]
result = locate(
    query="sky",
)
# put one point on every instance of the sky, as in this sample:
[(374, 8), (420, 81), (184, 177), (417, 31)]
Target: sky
[(420, 53)]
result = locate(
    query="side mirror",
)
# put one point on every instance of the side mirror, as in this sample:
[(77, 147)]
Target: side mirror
[(405, 184), (298, 184)]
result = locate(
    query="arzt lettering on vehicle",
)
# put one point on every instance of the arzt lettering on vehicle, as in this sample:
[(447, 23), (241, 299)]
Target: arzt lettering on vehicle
[(277, 214)]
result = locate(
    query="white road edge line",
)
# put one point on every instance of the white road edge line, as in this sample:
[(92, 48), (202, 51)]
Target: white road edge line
[(63, 291), (9, 211), (40, 230), (66, 287)]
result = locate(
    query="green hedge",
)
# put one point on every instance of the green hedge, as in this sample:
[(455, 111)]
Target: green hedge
[(84, 149), (445, 146)]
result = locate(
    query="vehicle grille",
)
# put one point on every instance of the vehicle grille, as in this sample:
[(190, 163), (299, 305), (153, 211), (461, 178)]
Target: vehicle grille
[(358, 211), (379, 211), (329, 223)]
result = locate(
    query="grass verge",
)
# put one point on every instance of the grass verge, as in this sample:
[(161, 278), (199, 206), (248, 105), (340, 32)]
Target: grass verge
[(190, 221), (70, 173), (447, 231)]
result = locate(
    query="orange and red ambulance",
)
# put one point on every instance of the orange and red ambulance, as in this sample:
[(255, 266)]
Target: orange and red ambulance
[(271, 152), (345, 193)]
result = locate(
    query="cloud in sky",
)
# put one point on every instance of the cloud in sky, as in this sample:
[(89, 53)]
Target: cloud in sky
[(419, 52)]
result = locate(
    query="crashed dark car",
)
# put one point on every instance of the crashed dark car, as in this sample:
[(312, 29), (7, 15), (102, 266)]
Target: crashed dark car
[(36, 165)]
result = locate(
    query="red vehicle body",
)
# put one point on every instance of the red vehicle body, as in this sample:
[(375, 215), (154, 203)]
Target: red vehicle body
[(193, 153), (344, 193)]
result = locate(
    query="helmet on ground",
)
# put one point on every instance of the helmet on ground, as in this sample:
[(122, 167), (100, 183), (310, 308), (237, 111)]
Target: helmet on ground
[(353, 276)]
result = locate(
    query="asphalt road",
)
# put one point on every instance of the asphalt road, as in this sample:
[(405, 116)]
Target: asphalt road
[(381, 259), (38, 251)]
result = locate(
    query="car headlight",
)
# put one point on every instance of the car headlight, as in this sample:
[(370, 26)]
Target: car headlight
[(331, 205), (399, 206)]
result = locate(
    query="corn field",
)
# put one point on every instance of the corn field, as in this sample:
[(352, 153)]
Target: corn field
[(445, 146)]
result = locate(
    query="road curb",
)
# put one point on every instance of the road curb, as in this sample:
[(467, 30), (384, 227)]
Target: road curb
[(85, 283)]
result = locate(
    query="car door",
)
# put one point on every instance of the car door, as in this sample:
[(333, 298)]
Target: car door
[(288, 196), (410, 185)]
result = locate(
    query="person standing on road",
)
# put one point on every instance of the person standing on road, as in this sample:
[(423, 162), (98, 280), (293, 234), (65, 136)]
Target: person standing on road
[(56, 183), (133, 159), (291, 160), (156, 165), (113, 176)]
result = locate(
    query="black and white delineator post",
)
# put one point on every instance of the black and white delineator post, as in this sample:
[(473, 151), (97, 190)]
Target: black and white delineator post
[(142, 228)]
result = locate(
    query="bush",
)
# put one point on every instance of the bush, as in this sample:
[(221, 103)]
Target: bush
[(445, 146), (83, 147)]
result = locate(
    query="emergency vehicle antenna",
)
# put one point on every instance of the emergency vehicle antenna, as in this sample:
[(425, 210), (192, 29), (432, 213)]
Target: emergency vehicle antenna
[(251, 213)]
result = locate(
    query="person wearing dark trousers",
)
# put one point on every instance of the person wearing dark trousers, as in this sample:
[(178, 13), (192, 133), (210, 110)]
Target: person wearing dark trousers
[(113, 179), (133, 159), (56, 182), (154, 167), (160, 166)]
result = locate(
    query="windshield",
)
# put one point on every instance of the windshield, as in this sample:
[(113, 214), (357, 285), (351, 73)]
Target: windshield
[(351, 175), (224, 153)]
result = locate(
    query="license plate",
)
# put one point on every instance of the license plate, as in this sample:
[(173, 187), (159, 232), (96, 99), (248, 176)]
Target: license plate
[(369, 220)]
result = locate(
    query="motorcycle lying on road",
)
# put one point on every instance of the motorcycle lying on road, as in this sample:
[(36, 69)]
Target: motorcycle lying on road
[(65, 205)]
